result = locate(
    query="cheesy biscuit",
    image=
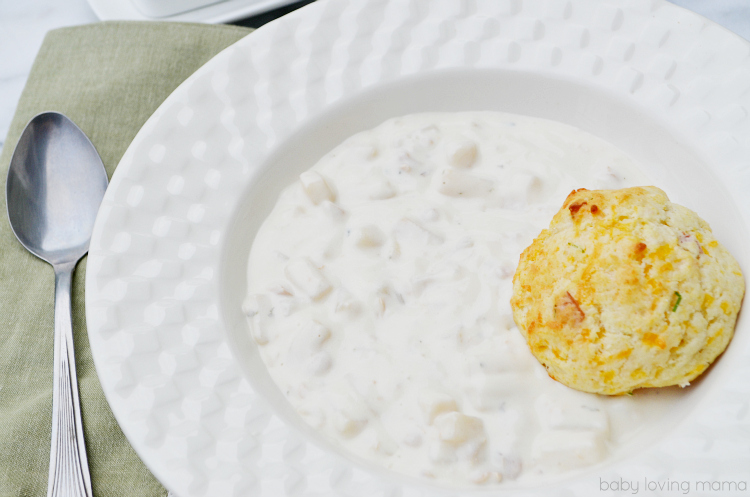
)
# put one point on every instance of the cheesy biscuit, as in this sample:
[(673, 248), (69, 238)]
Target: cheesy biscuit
[(626, 290)]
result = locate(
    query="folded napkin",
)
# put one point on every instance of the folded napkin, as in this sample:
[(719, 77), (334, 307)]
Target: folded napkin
[(108, 78)]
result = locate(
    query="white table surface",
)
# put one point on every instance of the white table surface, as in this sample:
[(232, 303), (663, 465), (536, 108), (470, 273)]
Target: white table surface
[(23, 24)]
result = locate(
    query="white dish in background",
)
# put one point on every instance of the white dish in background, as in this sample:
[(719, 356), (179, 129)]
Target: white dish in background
[(167, 264), (216, 11)]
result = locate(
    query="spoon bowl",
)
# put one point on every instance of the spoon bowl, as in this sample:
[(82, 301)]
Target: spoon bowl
[(56, 183)]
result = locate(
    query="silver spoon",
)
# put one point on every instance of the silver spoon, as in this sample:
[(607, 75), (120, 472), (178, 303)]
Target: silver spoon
[(56, 182)]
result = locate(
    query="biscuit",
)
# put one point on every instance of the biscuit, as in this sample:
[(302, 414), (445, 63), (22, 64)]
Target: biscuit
[(626, 290)]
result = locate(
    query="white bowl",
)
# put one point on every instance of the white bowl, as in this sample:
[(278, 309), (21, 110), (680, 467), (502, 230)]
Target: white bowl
[(167, 265)]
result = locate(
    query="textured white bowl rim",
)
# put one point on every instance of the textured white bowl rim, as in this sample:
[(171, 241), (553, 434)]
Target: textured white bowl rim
[(152, 297)]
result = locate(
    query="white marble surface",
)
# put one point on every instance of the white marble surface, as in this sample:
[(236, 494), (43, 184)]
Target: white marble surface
[(23, 25)]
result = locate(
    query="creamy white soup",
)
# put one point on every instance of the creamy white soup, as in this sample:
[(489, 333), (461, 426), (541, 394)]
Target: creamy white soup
[(379, 293)]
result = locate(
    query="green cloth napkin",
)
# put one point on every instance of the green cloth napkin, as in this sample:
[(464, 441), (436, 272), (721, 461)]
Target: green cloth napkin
[(108, 78)]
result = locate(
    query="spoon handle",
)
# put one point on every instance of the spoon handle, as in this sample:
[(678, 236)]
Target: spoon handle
[(68, 467)]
